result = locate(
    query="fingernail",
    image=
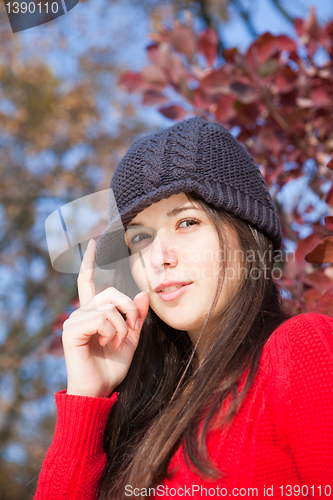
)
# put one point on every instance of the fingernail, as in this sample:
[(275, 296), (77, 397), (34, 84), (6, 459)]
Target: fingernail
[(137, 324), (90, 241), (121, 345)]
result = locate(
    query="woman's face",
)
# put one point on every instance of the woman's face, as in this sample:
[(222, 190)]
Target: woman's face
[(179, 247)]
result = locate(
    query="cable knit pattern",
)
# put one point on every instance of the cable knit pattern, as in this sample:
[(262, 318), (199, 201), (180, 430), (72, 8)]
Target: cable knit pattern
[(192, 156), (282, 434)]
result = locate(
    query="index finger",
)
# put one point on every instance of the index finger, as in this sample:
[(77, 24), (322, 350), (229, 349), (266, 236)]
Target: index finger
[(85, 280)]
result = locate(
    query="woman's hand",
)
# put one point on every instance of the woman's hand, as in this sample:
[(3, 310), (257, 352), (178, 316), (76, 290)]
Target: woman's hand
[(98, 343)]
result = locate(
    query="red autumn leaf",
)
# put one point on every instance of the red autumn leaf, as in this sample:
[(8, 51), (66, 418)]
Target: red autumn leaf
[(152, 52), (225, 108), (232, 56), (327, 37), (285, 80), (185, 90), (317, 280), (287, 100), (59, 321), (299, 26), (159, 37), (247, 113), (328, 30), (285, 43), (325, 303), (176, 70), (320, 98), (202, 100), (171, 63), (311, 26), (310, 298), (243, 91), (208, 44), (153, 97), (164, 55), (298, 217), (266, 46), (296, 306), (260, 50), (323, 252), (173, 112), (75, 303), (328, 271), (268, 140), (155, 75), (329, 222), (182, 39), (324, 73), (55, 347), (132, 82), (268, 68), (293, 56), (303, 248), (278, 169), (323, 232), (330, 167), (304, 102), (217, 81)]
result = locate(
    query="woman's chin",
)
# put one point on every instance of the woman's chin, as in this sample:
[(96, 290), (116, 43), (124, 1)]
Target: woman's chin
[(182, 325)]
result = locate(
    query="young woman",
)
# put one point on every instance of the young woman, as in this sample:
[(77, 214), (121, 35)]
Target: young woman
[(188, 378)]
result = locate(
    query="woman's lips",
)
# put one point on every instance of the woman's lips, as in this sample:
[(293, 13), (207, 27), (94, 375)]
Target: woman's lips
[(166, 296)]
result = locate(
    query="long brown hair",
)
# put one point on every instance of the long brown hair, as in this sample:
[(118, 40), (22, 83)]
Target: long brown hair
[(168, 395)]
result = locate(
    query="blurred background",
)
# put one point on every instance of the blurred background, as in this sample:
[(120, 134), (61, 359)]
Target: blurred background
[(75, 93)]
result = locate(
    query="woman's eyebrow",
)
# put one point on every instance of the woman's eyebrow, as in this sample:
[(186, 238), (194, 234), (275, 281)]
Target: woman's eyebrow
[(175, 211)]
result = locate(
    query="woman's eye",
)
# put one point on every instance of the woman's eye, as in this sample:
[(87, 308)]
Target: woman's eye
[(188, 222), (138, 238)]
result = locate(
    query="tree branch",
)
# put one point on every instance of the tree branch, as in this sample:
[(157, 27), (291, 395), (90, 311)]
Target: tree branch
[(282, 10), (282, 122), (246, 17)]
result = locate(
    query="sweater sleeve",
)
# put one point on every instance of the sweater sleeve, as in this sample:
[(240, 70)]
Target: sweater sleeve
[(309, 407), (75, 461)]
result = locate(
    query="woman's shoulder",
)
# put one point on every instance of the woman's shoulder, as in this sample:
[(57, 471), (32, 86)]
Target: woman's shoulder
[(302, 344), (308, 330), (296, 370)]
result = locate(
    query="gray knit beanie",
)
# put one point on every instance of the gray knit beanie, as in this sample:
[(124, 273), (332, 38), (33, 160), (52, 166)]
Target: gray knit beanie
[(193, 156)]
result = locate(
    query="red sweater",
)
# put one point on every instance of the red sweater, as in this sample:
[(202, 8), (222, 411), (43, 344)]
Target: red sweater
[(279, 445)]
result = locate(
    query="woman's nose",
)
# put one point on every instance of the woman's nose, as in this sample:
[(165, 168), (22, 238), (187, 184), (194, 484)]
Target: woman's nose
[(162, 252)]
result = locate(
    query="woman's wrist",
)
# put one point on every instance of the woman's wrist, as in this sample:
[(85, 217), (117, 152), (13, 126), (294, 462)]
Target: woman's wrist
[(72, 391)]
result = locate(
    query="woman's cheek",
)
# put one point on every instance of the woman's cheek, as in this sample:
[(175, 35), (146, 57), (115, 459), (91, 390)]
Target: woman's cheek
[(138, 274)]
